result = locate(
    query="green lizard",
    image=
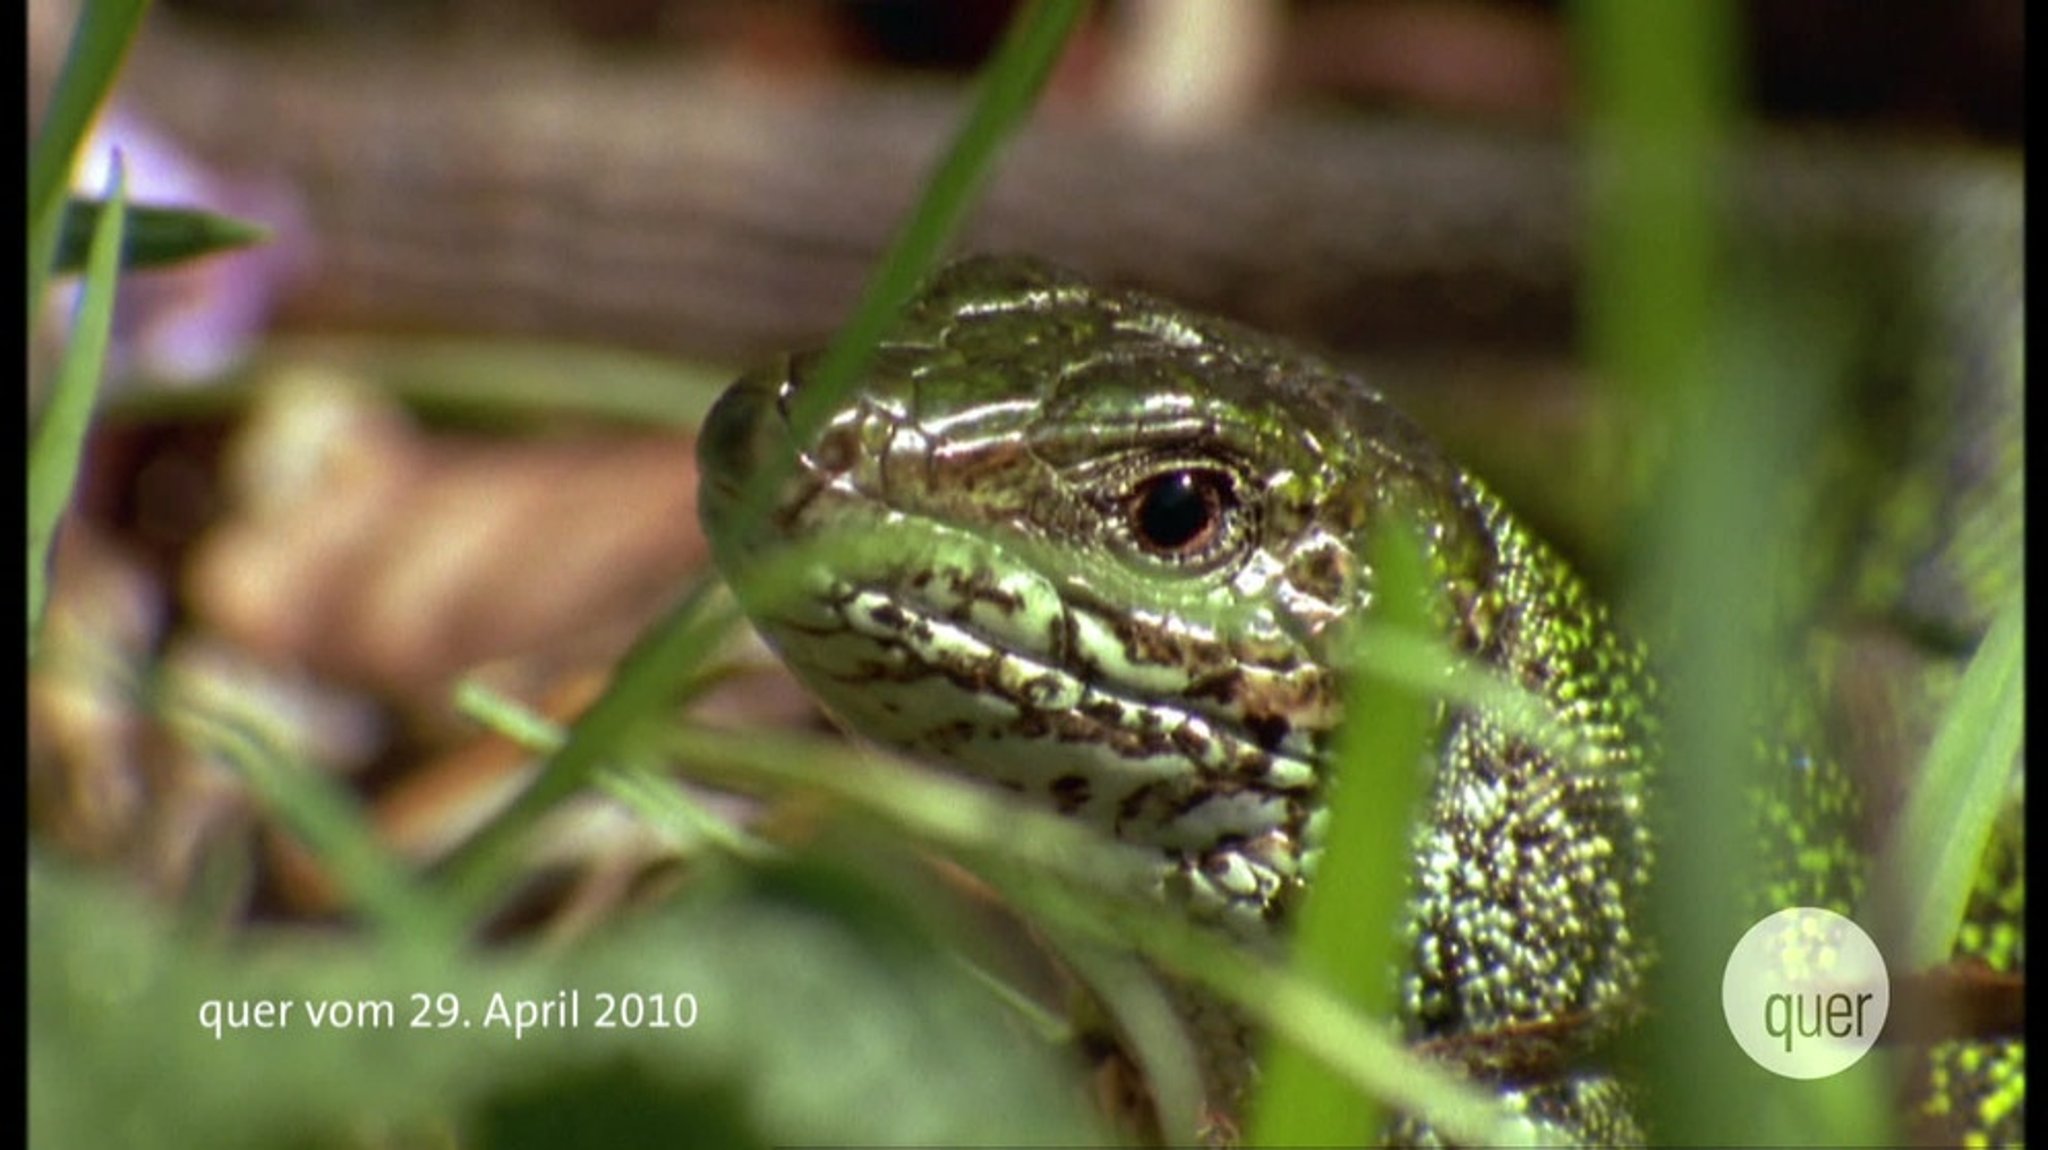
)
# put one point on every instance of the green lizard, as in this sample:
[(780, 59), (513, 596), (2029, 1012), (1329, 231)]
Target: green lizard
[(1105, 549)]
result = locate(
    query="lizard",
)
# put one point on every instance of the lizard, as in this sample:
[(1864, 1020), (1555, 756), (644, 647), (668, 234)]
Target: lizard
[(1106, 548)]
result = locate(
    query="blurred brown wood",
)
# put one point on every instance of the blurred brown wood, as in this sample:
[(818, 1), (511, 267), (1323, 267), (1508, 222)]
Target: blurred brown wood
[(666, 203)]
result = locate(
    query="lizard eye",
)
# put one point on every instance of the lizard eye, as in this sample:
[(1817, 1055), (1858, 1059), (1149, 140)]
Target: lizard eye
[(1183, 515)]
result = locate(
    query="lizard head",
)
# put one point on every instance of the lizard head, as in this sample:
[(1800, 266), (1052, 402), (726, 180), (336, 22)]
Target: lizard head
[(1085, 544)]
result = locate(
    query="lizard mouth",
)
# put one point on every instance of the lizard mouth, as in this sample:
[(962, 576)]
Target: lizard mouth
[(1146, 769)]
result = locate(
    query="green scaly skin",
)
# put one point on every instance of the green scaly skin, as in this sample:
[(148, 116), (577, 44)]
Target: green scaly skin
[(1097, 550)]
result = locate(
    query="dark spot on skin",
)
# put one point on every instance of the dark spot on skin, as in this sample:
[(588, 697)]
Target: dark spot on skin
[(837, 450), (1063, 640), (888, 615), (1221, 685), (1042, 690), (1150, 646), (1142, 645), (1217, 860), (1268, 730), (1070, 793), (1195, 798), (1106, 713), (980, 587), (1134, 803), (952, 736)]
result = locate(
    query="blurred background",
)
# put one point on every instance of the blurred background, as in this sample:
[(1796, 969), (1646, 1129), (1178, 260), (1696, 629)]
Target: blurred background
[(440, 426)]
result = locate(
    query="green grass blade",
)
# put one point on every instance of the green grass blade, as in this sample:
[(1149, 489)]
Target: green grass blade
[(1662, 107), (103, 32), (157, 236), (1419, 661), (1348, 930), (1661, 79), (1959, 792), (1008, 89), (651, 676), (325, 819), (640, 787), (59, 439), (1739, 373)]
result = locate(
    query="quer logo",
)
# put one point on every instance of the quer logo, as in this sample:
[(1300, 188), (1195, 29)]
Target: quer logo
[(1805, 993)]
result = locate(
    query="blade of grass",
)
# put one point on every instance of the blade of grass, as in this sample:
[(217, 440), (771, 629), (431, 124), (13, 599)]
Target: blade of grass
[(1348, 932), (642, 788), (1007, 91), (1418, 662), (100, 41), (1661, 109), (650, 676), (324, 818), (1145, 1019), (1959, 791), (59, 440), (1737, 377), (157, 236), (1745, 428)]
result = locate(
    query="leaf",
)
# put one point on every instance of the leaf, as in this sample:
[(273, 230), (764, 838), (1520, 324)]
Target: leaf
[(156, 237), (60, 434), (1960, 790), (1349, 926)]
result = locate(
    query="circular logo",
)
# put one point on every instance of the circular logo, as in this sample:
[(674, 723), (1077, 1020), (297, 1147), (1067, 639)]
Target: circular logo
[(1805, 993)]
